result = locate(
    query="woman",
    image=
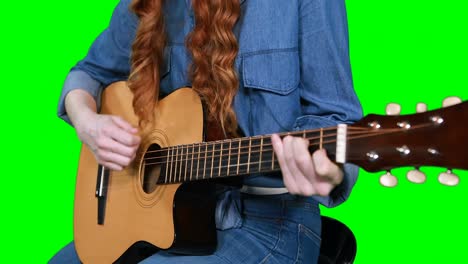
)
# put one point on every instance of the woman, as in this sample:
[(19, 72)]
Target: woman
[(261, 67)]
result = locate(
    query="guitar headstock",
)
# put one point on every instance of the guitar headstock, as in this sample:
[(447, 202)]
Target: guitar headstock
[(429, 138)]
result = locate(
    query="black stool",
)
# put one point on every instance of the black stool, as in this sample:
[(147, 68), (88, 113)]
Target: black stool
[(338, 243)]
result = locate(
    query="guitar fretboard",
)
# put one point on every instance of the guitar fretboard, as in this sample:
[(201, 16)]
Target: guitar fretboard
[(231, 157)]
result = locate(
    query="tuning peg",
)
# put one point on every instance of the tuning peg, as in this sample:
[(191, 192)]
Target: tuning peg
[(393, 109), (388, 180), (421, 108), (449, 178), (452, 100), (416, 176)]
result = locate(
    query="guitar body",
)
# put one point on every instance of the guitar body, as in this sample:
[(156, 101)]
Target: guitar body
[(169, 216)]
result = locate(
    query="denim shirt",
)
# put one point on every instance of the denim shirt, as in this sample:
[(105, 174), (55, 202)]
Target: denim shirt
[(293, 67)]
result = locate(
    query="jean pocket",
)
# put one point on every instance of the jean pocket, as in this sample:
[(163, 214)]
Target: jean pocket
[(308, 245)]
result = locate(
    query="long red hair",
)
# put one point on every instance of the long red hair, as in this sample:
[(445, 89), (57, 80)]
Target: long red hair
[(213, 46)]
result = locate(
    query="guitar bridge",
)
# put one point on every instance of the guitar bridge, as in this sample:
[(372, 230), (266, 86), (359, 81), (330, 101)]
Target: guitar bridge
[(102, 182)]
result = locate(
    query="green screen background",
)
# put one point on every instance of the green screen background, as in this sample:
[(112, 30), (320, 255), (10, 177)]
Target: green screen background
[(401, 51)]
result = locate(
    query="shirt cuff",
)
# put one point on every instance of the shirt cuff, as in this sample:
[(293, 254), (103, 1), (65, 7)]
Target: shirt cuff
[(341, 192), (77, 79)]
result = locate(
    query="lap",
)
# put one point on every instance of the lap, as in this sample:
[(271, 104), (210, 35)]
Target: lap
[(267, 235)]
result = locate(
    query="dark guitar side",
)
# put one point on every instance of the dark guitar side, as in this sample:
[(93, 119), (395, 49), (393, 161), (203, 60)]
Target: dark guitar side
[(194, 211), (195, 228)]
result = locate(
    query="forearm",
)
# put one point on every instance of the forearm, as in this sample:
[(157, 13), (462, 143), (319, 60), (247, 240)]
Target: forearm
[(79, 80), (80, 107)]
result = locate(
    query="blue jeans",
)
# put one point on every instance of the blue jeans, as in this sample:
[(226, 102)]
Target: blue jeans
[(276, 229)]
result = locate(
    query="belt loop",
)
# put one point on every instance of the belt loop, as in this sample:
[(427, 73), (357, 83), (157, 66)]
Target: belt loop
[(263, 190)]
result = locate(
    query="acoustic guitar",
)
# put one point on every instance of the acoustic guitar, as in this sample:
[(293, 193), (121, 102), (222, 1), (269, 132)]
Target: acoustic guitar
[(165, 198)]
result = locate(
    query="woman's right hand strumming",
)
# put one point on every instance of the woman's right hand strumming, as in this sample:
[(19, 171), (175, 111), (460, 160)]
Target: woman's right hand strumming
[(112, 140)]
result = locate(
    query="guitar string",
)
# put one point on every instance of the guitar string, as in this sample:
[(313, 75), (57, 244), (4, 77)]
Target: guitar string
[(212, 144), (200, 173), (361, 134), (203, 174), (358, 129), (240, 149), (182, 178)]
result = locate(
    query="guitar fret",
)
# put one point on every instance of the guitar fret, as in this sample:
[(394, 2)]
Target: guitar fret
[(248, 159), (183, 166), (267, 155), (229, 158), (225, 161), (191, 162), (220, 159), (244, 156), (204, 166), (272, 159), (166, 165), (186, 162), (255, 154), (321, 138), (172, 163), (198, 163), (261, 154), (238, 156), (179, 166), (162, 160), (212, 160)]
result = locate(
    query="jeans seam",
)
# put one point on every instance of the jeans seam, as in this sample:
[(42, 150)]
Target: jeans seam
[(265, 258), (282, 227), (273, 249), (311, 234), (299, 250), (302, 229)]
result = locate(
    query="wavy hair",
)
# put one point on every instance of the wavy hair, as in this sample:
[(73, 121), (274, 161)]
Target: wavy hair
[(213, 46)]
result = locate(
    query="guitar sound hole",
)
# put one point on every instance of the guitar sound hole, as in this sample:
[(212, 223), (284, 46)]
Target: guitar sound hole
[(151, 169)]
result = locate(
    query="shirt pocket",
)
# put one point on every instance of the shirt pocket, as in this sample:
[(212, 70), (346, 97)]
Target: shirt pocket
[(272, 71), (271, 80)]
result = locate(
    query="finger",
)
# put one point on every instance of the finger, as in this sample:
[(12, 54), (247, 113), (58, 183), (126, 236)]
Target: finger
[(287, 176), (124, 124), (106, 143), (111, 165), (305, 177), (290, 155), (326, 169), (107, 156), (122, 136), (302, 156), (291, 163)]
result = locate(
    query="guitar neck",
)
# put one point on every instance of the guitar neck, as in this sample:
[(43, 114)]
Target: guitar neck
[(434, 138), (231, 157)]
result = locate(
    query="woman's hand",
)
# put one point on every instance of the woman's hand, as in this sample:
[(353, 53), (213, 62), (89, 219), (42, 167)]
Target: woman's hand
[(112, 140), (305, 174)]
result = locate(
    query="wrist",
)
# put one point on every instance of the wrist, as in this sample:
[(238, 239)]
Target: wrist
[(85, 122), (81, 109)]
